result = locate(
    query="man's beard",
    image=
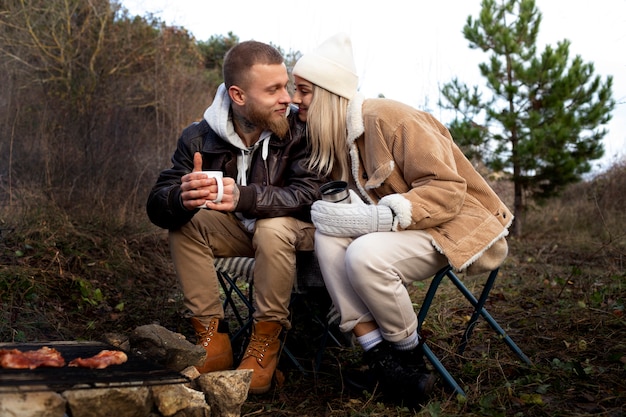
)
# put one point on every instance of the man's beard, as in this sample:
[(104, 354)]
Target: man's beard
[(264, 120)]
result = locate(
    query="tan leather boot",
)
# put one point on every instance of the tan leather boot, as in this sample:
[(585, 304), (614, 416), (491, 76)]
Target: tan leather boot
[(262, 355), (214, 338)]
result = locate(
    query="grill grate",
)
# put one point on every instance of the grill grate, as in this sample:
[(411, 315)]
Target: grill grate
[(135, 372)]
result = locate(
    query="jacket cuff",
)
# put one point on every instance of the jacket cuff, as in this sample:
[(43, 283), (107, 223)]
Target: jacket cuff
[(247, 199)]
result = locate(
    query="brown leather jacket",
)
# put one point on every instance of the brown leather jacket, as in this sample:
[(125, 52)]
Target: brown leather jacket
[(280, 185)]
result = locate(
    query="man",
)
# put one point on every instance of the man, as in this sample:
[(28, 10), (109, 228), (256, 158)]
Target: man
[(264, 213)]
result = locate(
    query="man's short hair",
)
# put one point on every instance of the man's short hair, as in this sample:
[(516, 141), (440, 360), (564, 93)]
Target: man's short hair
[(241, 57)]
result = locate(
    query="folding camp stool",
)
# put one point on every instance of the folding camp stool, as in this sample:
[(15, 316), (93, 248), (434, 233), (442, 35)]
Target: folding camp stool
[(479, 310), (235, 275)]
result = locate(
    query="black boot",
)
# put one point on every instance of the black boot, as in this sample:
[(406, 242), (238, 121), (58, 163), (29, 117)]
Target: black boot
[(413, 358), (402, 376)]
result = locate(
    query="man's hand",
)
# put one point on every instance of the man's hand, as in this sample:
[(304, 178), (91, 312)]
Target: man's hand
[(198, 189), (229, 200)]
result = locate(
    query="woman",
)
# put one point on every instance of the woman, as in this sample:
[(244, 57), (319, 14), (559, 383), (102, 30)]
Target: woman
[(417, 205)]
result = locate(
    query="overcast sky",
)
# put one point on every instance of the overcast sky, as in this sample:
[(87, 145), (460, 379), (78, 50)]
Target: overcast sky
[(407, 49)]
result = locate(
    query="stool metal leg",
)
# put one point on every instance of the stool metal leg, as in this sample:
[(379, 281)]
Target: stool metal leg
[(293, 359), (449, 379), (229, 285), (428, 353), (479, 310), (432, 290), (477, 304)]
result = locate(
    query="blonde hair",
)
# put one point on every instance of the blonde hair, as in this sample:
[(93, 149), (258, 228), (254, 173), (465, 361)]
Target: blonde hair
[(328, 133)]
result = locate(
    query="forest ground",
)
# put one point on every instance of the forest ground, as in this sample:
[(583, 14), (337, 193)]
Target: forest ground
[(560, 295)]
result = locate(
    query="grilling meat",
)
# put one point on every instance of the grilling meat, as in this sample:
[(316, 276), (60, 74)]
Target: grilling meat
[(101, 360), (31, 359)]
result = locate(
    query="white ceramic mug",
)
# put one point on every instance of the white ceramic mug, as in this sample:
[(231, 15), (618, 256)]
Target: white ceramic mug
[(220, 184)]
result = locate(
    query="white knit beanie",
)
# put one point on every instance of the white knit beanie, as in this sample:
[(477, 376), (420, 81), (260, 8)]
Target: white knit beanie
[(330, 66)]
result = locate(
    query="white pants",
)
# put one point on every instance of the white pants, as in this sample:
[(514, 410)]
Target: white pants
[(366, 277)]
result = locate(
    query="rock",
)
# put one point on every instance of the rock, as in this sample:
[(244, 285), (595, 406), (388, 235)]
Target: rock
[(191, 372), (194, 412), (166, 348), (171, 399), (108, 402), (226, 391), (120, 341), (32, 404)]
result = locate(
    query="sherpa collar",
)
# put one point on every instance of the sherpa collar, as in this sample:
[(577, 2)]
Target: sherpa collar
[(356, 127)]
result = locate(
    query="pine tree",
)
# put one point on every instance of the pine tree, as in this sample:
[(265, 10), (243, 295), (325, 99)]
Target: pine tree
[(543, 120)]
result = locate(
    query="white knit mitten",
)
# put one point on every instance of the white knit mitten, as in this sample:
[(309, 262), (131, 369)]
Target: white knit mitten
[(350, 220)]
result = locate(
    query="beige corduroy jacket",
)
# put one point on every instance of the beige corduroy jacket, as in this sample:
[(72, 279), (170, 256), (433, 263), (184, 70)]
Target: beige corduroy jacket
[(407, 160)]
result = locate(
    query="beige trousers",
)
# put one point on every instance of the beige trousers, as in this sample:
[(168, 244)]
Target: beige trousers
[(212, 234), (366, 277)]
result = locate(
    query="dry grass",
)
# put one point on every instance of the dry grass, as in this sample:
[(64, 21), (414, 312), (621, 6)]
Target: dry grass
[(560, 295)]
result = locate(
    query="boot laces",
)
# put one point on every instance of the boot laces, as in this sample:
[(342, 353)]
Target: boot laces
[(258, 346), (207, 334)]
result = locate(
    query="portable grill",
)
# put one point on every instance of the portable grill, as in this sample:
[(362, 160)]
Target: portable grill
[(135, 372)]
